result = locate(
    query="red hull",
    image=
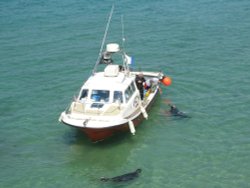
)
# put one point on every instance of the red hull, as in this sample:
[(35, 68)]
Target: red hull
[(96, 135)]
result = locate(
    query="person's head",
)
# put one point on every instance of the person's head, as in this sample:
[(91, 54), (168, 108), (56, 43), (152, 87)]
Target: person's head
[(173, 107), (140, 74)]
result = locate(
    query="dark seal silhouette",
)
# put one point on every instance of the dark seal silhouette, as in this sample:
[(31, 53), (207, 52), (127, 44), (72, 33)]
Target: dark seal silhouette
[(124, 177)]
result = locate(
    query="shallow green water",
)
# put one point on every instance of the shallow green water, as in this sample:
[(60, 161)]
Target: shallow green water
[(47, 50)]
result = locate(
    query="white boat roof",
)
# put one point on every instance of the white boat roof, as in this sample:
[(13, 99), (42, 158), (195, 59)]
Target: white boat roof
[(102, 82)]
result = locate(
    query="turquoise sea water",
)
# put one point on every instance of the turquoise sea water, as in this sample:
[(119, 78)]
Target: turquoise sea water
[(48, 48)]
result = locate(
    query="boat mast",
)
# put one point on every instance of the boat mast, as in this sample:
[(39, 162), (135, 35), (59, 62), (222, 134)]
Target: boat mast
[(104, 38)]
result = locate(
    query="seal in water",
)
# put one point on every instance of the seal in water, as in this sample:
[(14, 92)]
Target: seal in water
[(124, 177)]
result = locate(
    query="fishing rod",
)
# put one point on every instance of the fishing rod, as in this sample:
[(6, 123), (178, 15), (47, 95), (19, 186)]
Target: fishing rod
[(104, 38)]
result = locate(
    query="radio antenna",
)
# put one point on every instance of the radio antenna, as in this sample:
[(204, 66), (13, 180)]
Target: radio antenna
[(123, 36)]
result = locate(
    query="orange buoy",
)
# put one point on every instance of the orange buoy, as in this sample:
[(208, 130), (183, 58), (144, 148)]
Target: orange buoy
[(166, 81)]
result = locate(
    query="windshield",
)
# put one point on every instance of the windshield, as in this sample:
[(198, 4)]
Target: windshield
[(100, 95)]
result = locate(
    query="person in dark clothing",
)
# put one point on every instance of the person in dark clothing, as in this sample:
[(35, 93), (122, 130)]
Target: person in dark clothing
[(139, 83), (175, 112)]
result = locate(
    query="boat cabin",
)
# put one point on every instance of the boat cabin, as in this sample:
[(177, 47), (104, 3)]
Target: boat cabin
[(105, 91)]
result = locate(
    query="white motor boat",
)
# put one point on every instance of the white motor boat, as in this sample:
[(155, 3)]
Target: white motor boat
[(109, 101)]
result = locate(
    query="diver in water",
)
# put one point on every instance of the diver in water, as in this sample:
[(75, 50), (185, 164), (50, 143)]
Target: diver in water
[(124, 177), (175, 112)]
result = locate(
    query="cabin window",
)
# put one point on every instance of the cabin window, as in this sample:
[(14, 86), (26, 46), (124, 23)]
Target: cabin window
[(118, 97), (129, 91), (100, 95), (133, 87), (84, 94)]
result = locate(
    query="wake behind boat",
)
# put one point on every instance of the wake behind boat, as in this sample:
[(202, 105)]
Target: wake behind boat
[(112, 100)]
